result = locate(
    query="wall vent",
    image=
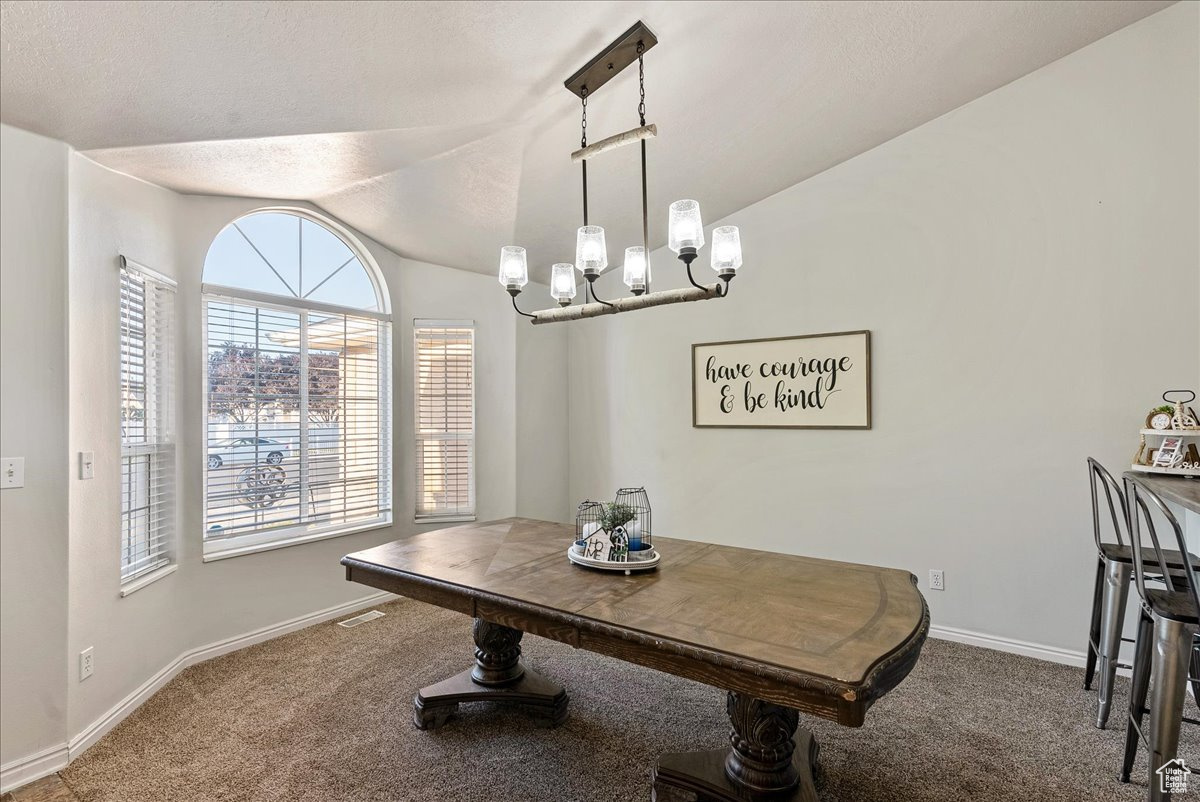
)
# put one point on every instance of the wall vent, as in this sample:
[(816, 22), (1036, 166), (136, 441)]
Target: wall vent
[(361, 618)]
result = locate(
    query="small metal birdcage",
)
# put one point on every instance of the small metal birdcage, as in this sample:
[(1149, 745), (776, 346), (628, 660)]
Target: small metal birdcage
[(635, 500), (588, 520)]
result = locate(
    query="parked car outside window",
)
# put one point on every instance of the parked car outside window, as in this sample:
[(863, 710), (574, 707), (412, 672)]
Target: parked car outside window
[(241, 450)]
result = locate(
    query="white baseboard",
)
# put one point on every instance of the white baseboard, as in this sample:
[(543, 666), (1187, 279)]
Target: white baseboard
[(34, 767), (1041, 651), (25, 770)]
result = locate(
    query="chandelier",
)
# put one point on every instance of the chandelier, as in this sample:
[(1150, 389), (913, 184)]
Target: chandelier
[(685, 229)]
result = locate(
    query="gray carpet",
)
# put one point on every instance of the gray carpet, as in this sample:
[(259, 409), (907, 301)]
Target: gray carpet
[(324, 714)]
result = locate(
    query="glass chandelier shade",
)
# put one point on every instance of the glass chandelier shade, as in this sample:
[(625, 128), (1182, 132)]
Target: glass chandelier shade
[(562, 283), (686, 229), (637, 269), (591, 254), (726, 249), (514, 271)]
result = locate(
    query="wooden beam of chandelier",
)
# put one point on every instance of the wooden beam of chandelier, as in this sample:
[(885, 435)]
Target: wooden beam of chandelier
[(685, 231), (613, 142), (661, 298)]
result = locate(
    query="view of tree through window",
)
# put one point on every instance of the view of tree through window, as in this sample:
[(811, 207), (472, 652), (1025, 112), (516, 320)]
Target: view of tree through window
[(297, 391), (237, 375)]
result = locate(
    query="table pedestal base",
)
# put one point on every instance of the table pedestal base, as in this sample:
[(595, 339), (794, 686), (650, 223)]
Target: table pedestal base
[(497, 676), (770, 758)]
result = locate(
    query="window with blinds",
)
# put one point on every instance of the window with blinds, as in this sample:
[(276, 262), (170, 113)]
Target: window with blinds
[(147, 421), (445, 419), (297, 351), (298, 433)]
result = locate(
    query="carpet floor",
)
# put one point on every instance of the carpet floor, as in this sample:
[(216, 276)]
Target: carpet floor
[(325, 714)]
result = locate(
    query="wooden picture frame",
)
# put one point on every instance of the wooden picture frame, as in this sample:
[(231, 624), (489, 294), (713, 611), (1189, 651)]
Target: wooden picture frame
[(711, 386)]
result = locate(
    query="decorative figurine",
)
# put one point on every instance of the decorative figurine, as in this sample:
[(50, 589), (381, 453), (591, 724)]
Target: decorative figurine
[(619, 539), (1181, 418), (598, 546)]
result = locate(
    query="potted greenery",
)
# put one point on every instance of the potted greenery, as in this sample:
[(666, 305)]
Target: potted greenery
[(613, 520), (615, 515)]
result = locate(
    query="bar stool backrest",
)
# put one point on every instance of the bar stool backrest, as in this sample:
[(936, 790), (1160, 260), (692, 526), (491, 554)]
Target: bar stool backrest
[(1099, 477), (1141, 500)]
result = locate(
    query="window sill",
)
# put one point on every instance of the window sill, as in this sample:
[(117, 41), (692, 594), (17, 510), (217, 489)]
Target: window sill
[(212, 552), (134, 585), (444, 519)]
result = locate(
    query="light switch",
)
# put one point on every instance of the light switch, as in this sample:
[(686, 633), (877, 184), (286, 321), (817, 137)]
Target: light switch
[(87, 464), (12, 472)]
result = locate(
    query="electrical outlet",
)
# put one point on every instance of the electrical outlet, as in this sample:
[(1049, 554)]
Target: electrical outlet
[(936, 580), (87, 663)]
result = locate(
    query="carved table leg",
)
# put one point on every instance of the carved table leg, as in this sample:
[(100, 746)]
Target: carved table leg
[(762, 763), (497, 676)]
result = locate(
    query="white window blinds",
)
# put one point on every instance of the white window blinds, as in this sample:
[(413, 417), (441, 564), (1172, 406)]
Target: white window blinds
[(147, 420), (445, 418), (297, 420)]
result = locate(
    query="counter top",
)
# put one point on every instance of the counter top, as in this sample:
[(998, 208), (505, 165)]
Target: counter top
[(1176, 489)]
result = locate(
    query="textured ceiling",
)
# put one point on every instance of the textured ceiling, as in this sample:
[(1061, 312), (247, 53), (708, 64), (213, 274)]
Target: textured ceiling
[(442, 129)]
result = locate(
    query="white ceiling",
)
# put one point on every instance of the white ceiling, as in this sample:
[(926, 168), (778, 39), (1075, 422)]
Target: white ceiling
[(442, 129)]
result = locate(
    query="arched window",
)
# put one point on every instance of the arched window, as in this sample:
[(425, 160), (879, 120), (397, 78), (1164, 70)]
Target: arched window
[(297, 391)]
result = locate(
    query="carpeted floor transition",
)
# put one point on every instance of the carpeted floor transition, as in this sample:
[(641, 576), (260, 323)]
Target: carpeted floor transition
[(324, 714)]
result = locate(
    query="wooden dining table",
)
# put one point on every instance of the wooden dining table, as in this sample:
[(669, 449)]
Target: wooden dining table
[(782, 634)]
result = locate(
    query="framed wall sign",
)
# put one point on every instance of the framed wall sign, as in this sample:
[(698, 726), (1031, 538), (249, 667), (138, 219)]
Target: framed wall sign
[(814, 381)]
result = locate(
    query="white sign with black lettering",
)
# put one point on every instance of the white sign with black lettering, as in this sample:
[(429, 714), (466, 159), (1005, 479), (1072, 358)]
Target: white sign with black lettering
[(816, 381)]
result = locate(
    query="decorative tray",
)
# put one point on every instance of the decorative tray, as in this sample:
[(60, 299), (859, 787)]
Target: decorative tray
[(627, 567)]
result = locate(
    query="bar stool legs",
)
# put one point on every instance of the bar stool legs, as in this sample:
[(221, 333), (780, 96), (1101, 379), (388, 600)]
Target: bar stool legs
[(1137, 692), (1112, 623), (1094, 630), (1160, 668), (1168, 687)]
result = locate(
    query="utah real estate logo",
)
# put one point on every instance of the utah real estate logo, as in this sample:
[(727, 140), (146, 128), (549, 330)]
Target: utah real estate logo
[(1173, 776)]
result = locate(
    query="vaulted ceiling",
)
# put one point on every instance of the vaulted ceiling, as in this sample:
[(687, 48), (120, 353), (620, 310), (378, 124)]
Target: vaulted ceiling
[(442, 129)]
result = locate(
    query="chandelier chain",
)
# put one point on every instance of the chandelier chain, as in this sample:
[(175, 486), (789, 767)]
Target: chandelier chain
[(583, 126), (641, 84)]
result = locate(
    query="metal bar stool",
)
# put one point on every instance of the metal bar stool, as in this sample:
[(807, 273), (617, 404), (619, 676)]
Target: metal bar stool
[(1113, 566), (1166, 641)]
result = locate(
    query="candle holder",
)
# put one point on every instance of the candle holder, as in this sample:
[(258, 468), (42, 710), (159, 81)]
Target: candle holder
[(635, 500)]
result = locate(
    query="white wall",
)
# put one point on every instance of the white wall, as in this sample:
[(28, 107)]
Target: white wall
[(33, 400), (135, 636), (1029, 266), (110, 214), (542, 412), (61, 534)]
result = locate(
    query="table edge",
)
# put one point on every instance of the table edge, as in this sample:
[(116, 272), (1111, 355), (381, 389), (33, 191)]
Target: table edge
[(1168, 493)]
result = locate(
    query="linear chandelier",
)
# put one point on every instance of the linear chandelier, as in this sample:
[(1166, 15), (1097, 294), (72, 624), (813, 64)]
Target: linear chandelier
[(685, 231)]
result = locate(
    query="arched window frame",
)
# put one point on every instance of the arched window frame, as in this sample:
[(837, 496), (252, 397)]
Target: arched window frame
[(341, 232), (272, 538)]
